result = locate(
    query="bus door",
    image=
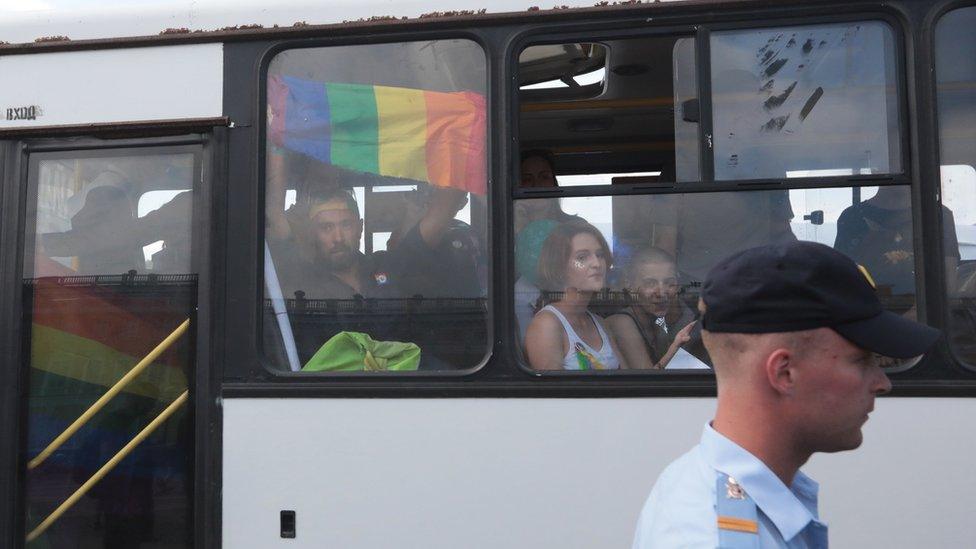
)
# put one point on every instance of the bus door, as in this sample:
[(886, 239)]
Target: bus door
[(112, 258)]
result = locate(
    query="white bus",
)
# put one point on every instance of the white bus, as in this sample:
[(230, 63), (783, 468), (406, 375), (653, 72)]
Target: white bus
[(267, 270)]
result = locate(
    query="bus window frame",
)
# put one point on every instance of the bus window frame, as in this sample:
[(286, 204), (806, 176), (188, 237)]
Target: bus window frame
[(707, 182), (937, 290), (12, 464), (264, 63)]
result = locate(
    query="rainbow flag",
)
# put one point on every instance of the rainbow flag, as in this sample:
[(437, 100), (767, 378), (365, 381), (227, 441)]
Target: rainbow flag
[(434, 137), (85, 338)]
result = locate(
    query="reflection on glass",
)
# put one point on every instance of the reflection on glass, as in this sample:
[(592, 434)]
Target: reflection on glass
[(647, 298), (877, 234), (804, 98), (93, 217), (956, 77), (702, 228), (378, 263), (108, 276)]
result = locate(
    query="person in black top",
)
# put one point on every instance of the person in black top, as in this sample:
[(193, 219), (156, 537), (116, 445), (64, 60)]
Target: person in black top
[(877, 233), (537, 171), (319, 254), (315, 249)]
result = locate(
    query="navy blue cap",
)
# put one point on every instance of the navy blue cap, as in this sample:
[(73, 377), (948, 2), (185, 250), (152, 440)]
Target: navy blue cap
[(802, 286)]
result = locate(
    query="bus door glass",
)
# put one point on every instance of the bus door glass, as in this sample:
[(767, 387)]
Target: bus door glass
[(109, 294)]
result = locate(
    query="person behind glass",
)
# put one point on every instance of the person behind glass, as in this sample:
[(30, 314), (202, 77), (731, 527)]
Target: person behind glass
[(795, 332), (329, 264), (536, 171), (877, 233), (565, 335), (462, 268), (315, 243), (657, 323), (102, 235)]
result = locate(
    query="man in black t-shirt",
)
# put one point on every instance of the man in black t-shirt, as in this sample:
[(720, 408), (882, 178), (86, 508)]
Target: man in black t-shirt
[(320, 256), (877, 233), (315, 247)]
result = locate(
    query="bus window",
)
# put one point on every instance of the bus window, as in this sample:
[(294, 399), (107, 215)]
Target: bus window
[(379, 262), (635, 299), (956, 76), (108, 276), (805, 98), (789, 102)]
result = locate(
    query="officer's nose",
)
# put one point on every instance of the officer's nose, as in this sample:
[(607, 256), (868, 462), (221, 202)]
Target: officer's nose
[(882, 383)]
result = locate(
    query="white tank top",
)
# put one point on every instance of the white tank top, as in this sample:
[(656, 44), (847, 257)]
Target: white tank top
[(580, 355)]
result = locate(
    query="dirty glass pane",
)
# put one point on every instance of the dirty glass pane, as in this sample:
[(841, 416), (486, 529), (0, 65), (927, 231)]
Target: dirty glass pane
[(805, 101), (956, 81), (641, 274), (107, 276), (376, 219)]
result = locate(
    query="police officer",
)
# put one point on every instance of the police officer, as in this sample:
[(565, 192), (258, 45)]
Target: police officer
[(796, 333)]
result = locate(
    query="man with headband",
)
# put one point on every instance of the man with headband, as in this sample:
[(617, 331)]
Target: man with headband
[(330, 265), (796, 334)]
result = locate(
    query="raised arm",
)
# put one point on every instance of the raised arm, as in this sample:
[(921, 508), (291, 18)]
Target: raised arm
[(278, 227), (683, 336), (444, 204)]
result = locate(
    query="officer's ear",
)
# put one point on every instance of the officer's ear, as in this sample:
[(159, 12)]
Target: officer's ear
[(779, 369)]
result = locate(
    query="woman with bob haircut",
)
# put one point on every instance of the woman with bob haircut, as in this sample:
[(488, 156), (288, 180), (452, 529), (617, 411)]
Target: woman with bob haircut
[(565, 335)]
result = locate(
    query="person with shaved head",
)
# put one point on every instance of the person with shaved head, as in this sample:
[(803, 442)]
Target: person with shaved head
[(797, 335)]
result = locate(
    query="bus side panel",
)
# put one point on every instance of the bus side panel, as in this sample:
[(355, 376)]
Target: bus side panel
[(120, 85), (560, 473)]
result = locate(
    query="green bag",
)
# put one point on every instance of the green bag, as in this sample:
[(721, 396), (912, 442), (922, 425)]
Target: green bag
[(356, 352)]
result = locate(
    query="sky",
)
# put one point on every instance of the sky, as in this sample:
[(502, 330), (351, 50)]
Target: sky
[(30, 5)]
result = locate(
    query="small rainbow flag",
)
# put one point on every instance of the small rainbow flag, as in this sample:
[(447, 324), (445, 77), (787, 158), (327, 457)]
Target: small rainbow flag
[(586, 360), (434, 137)]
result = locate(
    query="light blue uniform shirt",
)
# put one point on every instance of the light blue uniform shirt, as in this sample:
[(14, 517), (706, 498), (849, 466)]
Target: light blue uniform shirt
[(681, 510)]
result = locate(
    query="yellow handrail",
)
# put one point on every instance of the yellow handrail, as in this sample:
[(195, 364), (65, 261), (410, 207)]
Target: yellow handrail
[(125, 451), (114, 390)]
